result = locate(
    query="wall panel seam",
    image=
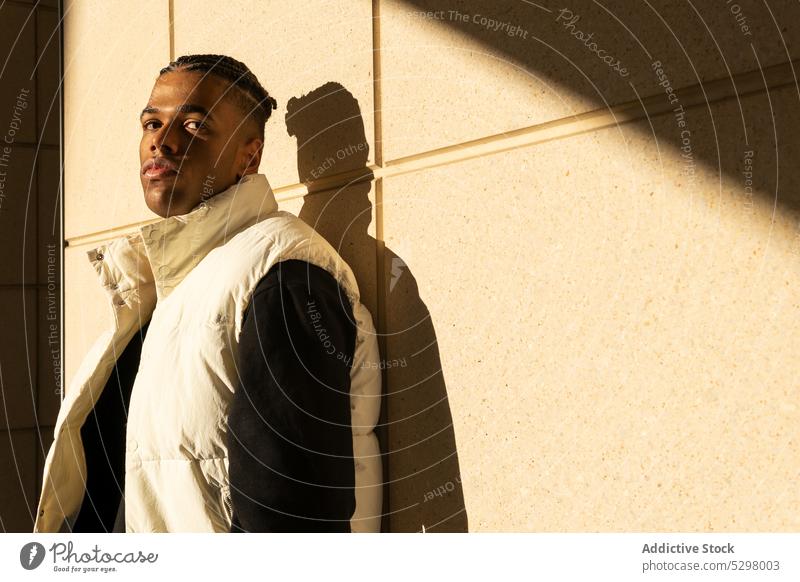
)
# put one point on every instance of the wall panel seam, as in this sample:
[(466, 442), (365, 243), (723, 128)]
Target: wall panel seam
[(749, 83)]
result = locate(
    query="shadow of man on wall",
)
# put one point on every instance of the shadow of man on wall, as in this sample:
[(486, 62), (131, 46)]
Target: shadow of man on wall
[(420, 461)]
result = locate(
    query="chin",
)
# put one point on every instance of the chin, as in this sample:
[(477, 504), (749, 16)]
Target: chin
[(158, 200)]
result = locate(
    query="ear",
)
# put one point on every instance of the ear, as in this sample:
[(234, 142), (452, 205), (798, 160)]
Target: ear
[(250, 156)]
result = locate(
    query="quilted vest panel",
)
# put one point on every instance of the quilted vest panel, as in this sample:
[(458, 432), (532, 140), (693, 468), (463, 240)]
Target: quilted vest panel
[(176, 459), (192, 276)]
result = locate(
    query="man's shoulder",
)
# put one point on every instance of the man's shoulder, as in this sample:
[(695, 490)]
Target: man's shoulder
[(292, 253), (280, 222), (252, 245), (298, 275)]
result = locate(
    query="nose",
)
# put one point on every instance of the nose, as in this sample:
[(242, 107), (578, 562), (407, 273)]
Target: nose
[(164, 141)]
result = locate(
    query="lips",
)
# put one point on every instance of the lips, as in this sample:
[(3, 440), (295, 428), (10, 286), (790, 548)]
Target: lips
[(156, 168)]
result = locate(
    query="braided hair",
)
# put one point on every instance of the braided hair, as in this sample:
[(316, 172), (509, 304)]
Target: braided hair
[(248, 95)]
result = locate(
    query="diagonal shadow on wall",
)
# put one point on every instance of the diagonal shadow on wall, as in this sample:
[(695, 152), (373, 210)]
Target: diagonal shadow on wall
[(555, 47)]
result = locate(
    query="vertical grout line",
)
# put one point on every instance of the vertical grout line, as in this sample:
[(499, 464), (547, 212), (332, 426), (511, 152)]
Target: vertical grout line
[(61, 171), (37, 331), (171, 9), (376, 82), (383, 430), (383, 420), (61, 197)]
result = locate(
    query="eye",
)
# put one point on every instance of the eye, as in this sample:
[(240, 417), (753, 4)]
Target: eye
[(146, 124), (200, 124)]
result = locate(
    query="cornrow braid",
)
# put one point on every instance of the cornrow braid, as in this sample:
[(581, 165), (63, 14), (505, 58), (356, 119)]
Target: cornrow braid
[(249, 95)]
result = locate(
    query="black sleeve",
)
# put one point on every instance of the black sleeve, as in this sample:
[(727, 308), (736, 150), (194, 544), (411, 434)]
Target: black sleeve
[(103, 438), (289, 437)]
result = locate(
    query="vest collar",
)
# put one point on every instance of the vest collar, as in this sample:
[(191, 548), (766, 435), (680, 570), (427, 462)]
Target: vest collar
[(160, 254)]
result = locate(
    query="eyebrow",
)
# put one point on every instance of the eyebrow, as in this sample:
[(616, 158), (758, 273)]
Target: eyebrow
[(185, 108)]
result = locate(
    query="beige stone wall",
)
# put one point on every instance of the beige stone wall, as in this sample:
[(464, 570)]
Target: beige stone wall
[(588, 315)]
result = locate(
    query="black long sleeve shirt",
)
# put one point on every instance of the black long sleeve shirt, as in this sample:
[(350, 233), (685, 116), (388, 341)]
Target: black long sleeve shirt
[(289, 439)]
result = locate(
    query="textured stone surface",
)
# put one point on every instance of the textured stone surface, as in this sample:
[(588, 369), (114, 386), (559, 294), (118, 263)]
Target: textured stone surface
[(613, 340), (458, 70)]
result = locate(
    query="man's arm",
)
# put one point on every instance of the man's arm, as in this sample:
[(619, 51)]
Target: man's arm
[(103, 437), (289, 436)]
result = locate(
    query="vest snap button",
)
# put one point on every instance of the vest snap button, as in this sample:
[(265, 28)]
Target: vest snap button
[(163, 271), (132, 445)]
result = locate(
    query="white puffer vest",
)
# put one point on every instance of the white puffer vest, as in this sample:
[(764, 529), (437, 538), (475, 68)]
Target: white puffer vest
[(192, 276)]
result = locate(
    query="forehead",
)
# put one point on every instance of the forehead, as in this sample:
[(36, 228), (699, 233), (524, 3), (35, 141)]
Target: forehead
[(180, 87)]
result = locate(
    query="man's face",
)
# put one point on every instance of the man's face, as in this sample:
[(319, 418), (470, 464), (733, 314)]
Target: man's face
[(197, 139)]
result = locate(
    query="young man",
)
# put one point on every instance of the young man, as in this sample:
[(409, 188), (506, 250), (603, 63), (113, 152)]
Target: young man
[(239, 386)]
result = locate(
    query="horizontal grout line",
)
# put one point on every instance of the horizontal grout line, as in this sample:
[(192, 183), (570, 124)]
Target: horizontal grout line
[(35, 145), (654, 105), (282, 194), (40, 427), (24, 285), (292, 191), (39, 6), (103, 235)]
